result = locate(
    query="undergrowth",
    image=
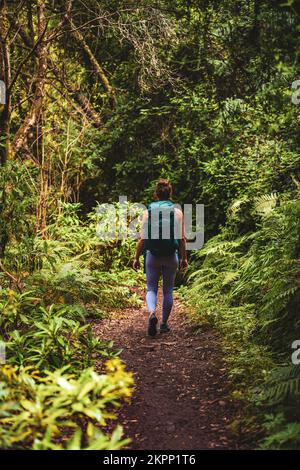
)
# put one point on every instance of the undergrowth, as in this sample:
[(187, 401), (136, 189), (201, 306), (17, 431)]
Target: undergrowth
[(59, 380), (246, 284)]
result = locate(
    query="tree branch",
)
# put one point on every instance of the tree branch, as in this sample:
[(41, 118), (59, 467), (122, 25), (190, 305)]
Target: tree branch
[(98, 70)]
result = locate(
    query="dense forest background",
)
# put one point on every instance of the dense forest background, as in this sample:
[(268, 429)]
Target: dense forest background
[(102, 98)]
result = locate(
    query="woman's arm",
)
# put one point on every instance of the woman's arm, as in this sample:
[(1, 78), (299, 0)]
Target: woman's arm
[(139, 250), (182, 244), (141, 242)]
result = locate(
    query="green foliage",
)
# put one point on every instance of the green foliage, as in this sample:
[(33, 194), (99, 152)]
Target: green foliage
[(283, 435), (35, 409), (203, 97), (283, 386), (248, 288), (48, 387)]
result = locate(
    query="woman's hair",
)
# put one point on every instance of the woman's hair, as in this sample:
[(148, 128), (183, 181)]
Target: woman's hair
[(163, 189)]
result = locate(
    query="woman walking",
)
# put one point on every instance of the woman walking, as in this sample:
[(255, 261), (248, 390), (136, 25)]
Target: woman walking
[(162, 239)]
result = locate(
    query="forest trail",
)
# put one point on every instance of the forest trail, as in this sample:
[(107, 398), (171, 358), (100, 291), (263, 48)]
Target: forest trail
[(181, 400)]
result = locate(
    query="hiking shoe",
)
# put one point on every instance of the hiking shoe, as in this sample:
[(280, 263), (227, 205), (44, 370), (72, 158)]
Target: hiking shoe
[(152, 325), (164, 328)]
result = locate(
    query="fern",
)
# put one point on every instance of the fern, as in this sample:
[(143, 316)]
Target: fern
[(264, 205), (248, 288), (283, 385)]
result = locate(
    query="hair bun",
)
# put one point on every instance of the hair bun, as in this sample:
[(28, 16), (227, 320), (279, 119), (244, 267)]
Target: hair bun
[(163, 189)]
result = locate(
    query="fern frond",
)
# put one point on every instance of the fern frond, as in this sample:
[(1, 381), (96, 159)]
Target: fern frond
[(283, 384), (264, 205)]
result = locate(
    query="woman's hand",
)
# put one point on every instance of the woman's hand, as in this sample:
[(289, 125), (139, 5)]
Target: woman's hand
[(136, 264), (183, 264)]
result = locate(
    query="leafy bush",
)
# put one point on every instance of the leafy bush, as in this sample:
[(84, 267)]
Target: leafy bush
[(35, 409), (48, 387)]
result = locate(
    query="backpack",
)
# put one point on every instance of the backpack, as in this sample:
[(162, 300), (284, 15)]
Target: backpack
[(160, 239)]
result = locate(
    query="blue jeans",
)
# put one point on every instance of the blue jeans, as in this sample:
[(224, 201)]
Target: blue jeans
[(155, 267)]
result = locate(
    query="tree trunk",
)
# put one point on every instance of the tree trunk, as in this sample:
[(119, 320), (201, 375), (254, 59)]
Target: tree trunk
[(255, 31), (5, 77), (98, 70), (5, 109), (35, 114), (41, 221)]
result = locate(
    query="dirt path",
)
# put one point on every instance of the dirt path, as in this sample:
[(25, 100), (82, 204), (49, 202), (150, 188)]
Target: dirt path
[(181, 401)]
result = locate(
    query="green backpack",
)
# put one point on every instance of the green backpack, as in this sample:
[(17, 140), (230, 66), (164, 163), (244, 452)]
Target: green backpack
[(160, 230)]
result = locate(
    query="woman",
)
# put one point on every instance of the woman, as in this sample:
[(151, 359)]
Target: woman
[(162, 253)]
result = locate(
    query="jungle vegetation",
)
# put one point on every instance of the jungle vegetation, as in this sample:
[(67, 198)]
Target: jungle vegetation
[(100, 99)]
